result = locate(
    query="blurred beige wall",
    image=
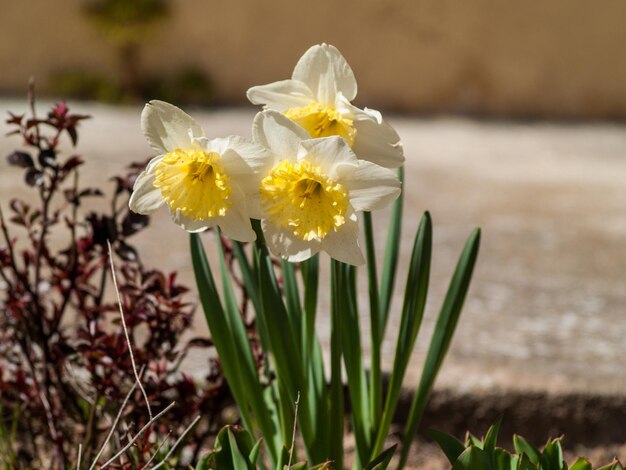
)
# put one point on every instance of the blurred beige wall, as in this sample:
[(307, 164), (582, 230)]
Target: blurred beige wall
[(538, 57)]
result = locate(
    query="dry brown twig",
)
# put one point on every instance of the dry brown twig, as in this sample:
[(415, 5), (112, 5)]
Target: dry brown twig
[(152, 419), (130, 349)]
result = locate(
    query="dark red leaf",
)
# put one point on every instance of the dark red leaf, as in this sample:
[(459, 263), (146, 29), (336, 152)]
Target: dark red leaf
[(21, 159), (19, 207), (90, 192), (126, 252), (133, 223), (15, 118), (34, 177), (72, 163), (73, 134), (47, 158)]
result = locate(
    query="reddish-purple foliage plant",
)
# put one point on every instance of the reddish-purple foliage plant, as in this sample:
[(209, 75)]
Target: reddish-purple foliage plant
[(64, 362)]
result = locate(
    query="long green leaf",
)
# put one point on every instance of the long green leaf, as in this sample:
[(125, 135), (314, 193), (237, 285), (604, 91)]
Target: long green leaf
[(522, 446), (491, 438), (310, 281), (382, 460), (239, 461), (231, 342), (442, 336), (581, 464), (319, 399), (376, 335), (473, 458), (336, 384), (353, 361), (254, 391), (292, 297), (552, 455), (312, 359), (219, 327), (450, 445), (284, 349), (412, 313), (249, 277), (392, 248)]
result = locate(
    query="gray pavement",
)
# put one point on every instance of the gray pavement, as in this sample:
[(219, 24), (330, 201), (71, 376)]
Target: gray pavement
[(547, 306)]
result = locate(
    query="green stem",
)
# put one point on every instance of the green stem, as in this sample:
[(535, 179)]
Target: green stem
[(375, 384), (336, 384)]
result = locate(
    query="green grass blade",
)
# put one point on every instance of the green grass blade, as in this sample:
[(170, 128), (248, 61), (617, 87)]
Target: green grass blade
[(253, 388), (250, 280), (247, 274), (238, 460), (292, 297), (310, 280), (353, 361), (392, 248), (491, 438), (219, 327), (382, 461), (285, 351), (319, 398), (312, 359), (448, 444), (522, 446), (442, 336), (581, 464), (376, 383), (473, 458), (336, 383), (416, 291), (232, 346), (254, 453)]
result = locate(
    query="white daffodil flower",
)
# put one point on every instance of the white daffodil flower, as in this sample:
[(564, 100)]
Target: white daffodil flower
[(204, 182), (318, 98), (312, 193)]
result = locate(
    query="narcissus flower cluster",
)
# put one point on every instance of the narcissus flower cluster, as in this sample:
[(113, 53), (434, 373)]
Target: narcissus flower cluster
[(315, 161)]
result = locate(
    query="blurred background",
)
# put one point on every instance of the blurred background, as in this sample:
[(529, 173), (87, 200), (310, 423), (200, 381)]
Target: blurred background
[(511, 115), (560, 59)]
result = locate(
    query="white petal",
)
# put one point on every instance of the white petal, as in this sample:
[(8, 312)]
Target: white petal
[(236, 226), (282, 95), (332, 154), (283, 243), (278, 133), (375, 140), (146, 198), (218, 145), (190, 225), (167, 127), (326, 72), (344, 244), (257, 159), (236, 223), (372, 187), (253, 203)]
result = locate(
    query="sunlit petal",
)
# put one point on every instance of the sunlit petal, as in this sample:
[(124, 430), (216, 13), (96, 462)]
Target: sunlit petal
[(167, 127)]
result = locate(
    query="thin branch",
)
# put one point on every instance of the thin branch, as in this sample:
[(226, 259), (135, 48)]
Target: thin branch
[(73, 257), (113, 426), (295, 425), (31, 102), (158, 449), (16, 271), (80, 456), (178, 441), (45, 402), (141, 431), (130, 349)]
